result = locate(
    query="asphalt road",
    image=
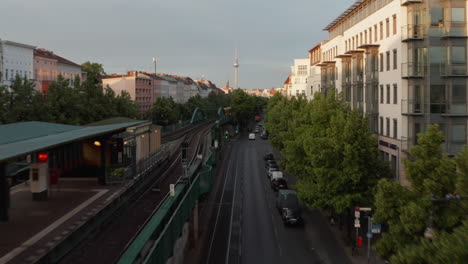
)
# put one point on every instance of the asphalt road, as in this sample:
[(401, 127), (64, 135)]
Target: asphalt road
[(248, 228)]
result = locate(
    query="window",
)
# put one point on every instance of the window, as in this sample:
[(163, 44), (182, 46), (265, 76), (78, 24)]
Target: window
[(395, 128), (388, 127), (302, 70), (388, 60), (365, 35), (458, 15), (381, 94), (375, 33), (387, 27), (381, 30), (381, 125), (6, 74), (381, 62), (395, 94), (393, 164), (394, 25), (437, 16), (388, 93), (395, 59), (370, 35)]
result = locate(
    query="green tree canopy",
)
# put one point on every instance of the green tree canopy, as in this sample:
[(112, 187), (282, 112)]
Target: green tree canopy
[(409, 210)]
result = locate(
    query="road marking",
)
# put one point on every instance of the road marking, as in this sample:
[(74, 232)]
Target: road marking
[(232, 214), (15, 252), (219, 210)]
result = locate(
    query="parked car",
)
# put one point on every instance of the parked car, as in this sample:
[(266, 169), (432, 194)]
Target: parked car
[(268, 163), (252, 136), (257, 130), (264, 135), (288, 206), (278, 184), (268, 156), (271, 170), (276, 175)]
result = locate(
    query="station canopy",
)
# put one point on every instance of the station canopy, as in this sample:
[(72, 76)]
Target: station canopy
[(19, 139)]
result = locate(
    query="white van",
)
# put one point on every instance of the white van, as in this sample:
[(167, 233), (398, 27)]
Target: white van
[(276, 175)]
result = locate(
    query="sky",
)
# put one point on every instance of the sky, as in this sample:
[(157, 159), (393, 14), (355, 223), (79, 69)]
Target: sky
[(192, 38)]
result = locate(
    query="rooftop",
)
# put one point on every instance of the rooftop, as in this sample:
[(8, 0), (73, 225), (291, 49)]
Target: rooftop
[(343, 15)]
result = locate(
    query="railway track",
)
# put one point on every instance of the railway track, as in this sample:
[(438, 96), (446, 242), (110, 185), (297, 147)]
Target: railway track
[(107, 245)]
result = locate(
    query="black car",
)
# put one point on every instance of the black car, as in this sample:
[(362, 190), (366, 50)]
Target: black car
[(292, 216), (264, 135), (280, 183), (268, 163), (268, 156), (288, 206)]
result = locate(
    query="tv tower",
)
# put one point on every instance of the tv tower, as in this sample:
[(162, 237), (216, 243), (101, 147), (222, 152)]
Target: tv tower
[(236, 72)]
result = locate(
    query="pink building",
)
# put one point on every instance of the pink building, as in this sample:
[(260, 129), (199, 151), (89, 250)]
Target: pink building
[(48, 66), (45, 69), (137, 84)]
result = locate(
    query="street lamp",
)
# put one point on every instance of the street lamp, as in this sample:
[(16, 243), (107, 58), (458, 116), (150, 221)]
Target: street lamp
[(155, 60)]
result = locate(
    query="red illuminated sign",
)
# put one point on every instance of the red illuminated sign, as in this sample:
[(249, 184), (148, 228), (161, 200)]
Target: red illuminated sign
[(42, 157)]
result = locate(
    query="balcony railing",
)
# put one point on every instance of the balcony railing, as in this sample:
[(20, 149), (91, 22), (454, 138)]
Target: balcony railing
[(409, 2), (454, 30), (413, 70), (453, 70), (456, 108), (412, 32), (412, 107)]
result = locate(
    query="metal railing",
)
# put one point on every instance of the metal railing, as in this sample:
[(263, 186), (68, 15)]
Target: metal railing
[(453, 69), (413, 32), (413, 70), (412, 107)]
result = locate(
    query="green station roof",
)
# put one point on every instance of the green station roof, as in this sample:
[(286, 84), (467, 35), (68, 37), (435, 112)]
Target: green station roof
[(19, 139)]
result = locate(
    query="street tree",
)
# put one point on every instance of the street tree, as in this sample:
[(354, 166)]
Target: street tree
[(410, 211)]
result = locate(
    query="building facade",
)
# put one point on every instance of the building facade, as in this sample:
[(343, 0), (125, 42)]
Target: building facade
[(403, 63), (138, 85), (16, 60), (299, 76)]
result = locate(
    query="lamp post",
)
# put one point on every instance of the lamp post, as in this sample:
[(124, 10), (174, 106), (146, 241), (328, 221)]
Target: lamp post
[(155, 60)]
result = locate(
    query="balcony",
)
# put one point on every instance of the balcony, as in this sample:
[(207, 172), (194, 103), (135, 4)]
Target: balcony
[(456, 108), (409, 2), (454, 30), (412, 33), (413, 70), (453, 70), (412, 107)]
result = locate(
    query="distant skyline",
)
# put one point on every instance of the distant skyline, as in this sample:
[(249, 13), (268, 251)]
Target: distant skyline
[(191, 38)]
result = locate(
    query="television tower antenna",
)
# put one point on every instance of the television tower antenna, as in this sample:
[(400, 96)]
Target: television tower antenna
[(236, 71)]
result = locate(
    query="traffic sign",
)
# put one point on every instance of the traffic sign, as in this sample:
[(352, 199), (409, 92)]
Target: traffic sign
[(357, 214), (172, 189), (365, 209), (376, 228), (369, 234), (357, 223)]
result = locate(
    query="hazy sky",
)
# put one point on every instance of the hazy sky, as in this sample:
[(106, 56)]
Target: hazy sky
[(189, 37)]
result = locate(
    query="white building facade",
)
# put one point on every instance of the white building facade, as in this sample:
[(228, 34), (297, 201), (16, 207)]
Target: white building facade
[(403, 63), (300, 72), (16, 59)]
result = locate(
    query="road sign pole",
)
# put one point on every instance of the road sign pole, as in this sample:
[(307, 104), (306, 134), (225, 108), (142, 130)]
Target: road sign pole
[(369, 237)]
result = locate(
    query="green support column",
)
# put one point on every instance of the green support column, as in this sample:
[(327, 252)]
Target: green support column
[(4, 194), (103, 170)]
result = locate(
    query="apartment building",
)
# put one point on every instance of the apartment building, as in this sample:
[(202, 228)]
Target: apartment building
[(403, 63), (16, 59), (314, 80), (299, 75), (138, 85)]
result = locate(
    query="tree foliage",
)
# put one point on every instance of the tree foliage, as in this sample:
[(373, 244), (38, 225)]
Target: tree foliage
[(77, 105), (328, 148), (408, 210)]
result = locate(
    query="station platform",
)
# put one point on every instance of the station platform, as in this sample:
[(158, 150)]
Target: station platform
[(36, 226)]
